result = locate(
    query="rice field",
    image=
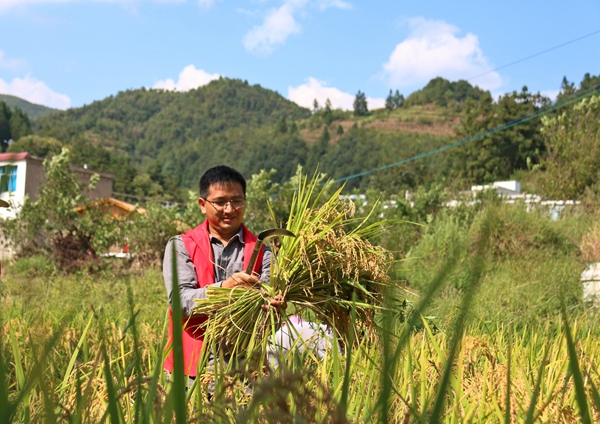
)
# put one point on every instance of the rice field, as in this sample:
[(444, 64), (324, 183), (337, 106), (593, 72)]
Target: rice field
[(103, 363), (86, 348)]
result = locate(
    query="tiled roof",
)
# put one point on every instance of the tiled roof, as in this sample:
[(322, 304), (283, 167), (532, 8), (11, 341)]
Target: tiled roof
[(13, 156)]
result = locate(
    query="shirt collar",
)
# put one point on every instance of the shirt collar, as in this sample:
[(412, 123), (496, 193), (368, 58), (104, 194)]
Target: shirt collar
[(239, 235)]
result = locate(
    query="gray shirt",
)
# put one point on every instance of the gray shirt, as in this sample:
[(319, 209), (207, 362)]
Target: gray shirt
[(228, 260)]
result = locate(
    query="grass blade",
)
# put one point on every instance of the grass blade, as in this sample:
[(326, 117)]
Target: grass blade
[(581, 396)]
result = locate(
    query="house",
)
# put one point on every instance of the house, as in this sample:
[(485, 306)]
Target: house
[(21, 174), (118, 209)]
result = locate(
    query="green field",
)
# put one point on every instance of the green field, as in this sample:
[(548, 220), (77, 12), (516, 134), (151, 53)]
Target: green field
[(485, 324)]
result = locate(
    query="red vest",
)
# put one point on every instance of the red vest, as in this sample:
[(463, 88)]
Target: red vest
[(197, 244)]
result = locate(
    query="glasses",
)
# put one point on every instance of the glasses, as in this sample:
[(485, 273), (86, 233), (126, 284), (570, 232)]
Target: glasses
[(222, 204)]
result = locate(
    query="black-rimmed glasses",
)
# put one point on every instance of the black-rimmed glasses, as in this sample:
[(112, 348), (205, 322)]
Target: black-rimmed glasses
[(222, 204)]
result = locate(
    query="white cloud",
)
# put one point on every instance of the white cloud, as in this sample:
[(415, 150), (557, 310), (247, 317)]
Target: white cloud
[(375, 103), (35, 91), (6, 5), (206, 4), (276, 28), (189, 79), (305, 94), (338, 4), (280, 23), (433, 49), (9, 63)]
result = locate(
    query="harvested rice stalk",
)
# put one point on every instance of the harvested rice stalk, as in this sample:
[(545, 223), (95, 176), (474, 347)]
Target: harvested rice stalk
[(318, 273)]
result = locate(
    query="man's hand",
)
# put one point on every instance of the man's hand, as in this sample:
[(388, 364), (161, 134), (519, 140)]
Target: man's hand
[(277, 302), (240, 279)]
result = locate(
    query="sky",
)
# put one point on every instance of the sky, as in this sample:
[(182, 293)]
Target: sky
[(69, 53)]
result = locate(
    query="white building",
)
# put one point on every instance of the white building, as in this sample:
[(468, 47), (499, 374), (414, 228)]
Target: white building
[(21, 174)]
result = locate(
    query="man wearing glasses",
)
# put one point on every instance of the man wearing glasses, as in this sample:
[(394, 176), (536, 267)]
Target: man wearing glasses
[(215, 253)]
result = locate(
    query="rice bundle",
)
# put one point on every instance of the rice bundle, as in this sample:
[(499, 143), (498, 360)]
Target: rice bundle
[(328, 269)]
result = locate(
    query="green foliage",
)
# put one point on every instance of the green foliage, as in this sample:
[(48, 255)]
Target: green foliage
[(14, 124), (530, 263), (43, 147), (394, 101), (19, 123), (31, 109), (496, 156), (5, 133), (568, 89), (573, 151), (443, 92), (360, 104), (268, 203), (148, 232), (33, 266), (54, 226)]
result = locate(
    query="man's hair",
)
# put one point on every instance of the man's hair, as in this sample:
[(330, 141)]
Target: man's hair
[(220, 175)]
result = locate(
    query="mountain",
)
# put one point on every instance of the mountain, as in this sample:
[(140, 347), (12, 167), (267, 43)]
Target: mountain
[(158, 143), (31, 109), (144, 122), (177, 134)]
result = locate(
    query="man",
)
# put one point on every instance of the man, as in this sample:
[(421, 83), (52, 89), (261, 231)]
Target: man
[(215, 253)]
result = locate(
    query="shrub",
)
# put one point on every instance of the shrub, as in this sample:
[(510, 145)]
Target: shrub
[(63, 224)]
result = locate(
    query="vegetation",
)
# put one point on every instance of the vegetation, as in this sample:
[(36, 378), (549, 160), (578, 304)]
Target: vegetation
[(31, 109), (482, 318), (573, 157), (14, 124), (446, 93), (156, 142), (89, 348)]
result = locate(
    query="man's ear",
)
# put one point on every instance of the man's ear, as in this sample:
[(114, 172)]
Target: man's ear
[(202, 204)]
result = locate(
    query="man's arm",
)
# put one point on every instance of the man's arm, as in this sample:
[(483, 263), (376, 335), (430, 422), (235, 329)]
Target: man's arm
[(186, 275)]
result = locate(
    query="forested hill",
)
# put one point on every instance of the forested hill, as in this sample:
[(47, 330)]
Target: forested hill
[(31, 109), (158, 143), (145, 122)]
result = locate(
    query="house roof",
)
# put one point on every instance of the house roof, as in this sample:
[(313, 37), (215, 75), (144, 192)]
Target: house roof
[(118, 208), (14, 156)]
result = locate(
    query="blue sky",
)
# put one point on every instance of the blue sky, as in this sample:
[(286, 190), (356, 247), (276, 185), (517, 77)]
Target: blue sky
[(68, 53)]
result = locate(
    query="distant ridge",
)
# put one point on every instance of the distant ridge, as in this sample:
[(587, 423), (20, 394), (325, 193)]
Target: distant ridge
[(31, 109)]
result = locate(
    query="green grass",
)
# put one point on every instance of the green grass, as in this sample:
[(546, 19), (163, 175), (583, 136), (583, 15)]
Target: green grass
[(510, 342)]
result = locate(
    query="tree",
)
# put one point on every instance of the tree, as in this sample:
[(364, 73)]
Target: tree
[(360, 104), (315, 106), (567, 89), (389, 101), (327, 113), (398, 100), (281, 127), (5, 135), (318, 151), (54, 226), (497, 155), (573, 151), (19, 123), (43, 147)]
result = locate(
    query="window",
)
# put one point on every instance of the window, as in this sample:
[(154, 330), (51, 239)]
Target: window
[(8, 178)]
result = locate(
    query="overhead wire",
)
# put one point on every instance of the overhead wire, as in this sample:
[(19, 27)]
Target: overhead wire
[(536, 54), (499, 128), (525, 118)]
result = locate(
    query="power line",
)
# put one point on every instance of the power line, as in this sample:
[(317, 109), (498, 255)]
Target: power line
[(536, 54), (506, 125)]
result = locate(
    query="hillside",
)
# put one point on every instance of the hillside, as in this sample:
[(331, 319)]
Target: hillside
[(145, 122), (158, 143), (31, 109)]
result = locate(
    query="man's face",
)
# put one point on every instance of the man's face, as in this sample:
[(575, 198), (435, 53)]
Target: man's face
[(224, 220)]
